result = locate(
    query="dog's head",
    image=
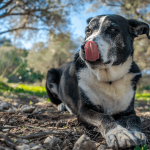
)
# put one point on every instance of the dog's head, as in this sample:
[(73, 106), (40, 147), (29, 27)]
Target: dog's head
[(114, 37)]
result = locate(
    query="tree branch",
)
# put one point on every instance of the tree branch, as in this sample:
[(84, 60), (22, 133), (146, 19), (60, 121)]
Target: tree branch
[(139, 15), (8, 3), (23, 28)]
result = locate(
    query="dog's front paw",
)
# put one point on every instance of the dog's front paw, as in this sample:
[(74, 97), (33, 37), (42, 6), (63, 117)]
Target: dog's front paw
[(61, 107), (120, 137), (141, 138)]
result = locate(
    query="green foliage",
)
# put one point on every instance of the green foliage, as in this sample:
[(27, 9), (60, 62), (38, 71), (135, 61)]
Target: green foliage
[(27, 17), (60, 50), (143, 96), (27, 89), (19, 65), (141, 147), (14, 65)]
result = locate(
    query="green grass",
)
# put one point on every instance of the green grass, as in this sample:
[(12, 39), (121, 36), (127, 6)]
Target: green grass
[(40, 91), (6, 89), (142, 96), (141, 147)]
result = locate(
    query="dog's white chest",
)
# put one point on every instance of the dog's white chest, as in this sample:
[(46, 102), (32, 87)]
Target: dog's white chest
[(114, 97)]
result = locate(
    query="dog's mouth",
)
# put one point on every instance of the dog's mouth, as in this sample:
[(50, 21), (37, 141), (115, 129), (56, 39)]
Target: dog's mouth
[(91, 55)]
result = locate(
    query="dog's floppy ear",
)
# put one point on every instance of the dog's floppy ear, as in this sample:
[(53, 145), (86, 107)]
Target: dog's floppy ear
[(138, 28), (88, 20)]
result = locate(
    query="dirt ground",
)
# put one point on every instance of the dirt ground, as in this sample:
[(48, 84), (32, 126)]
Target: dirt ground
[(48, 119)]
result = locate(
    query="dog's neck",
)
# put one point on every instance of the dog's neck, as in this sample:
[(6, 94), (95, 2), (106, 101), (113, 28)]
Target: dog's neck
[(114, 72)]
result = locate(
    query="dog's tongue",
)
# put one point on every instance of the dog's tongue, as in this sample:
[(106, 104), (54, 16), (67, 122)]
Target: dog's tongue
[(91, 51)]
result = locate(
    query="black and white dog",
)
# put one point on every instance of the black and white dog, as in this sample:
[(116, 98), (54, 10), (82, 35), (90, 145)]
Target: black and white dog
[(101, 91)]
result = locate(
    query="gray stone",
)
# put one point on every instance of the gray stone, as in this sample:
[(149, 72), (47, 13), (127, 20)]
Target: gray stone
[(102, 147), (51, 141), (66, 142), (2, 148), (10, 110), (7, 148), (27, 109), (2, 119), (84, 143), (37, 147), (32, 145), (19, 141), (25, 141), (5, 130), (4, 105), (16, 104), (37, 111), (24, 147)]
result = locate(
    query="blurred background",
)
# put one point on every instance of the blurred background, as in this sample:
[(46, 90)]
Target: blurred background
[(38, 35)]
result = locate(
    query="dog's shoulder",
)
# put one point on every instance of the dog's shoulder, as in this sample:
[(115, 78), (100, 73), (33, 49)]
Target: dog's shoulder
[(137, 74)]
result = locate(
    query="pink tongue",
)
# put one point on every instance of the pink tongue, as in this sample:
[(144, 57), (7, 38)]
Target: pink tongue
[(91, 51)]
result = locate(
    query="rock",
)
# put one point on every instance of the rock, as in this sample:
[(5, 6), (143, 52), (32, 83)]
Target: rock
[(32, 145), (7, 148), (25, 141), (66, 148), (24, 147), (5, 130), (66, 142), (37, 147), (4, 105), (27, 109), (2, 119), (147, 114), (146, 107), (102, 147), (10, 110), (19, 141), (84, 143), (2, 148), (15, 104), (51, 141), (142, 119), (12, 120), (37, 111)]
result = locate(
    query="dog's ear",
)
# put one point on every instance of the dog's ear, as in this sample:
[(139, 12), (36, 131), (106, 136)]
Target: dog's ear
[(88, 20), (138, 28)]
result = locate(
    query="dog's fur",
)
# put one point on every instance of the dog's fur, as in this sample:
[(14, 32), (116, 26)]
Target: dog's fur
[(101, 93)]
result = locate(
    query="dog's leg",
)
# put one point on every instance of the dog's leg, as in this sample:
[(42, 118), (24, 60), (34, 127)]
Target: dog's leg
[(64, 107), (115, 134), (133, 123)]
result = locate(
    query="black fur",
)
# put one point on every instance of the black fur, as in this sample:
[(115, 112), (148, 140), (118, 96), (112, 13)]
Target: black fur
[(66, 77)]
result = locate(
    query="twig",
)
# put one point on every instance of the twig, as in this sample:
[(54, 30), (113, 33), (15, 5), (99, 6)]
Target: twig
[(10, 127), (146, 127), (58, 147), (95, 136), (8, 141), (34, 135), (146, 131)]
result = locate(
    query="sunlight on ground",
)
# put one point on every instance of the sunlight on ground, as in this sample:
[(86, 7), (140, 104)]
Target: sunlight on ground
[(24, 89)]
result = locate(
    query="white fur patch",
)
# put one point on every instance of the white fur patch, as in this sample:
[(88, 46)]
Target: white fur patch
[(114, 72), (121, 137), (114, 97), (54, 88), (90, 38), (103, 46)]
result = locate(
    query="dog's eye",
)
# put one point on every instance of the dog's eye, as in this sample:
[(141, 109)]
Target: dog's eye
[(88, 30), (112, 29)]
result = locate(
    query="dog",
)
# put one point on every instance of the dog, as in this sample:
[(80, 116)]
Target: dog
[(99, 85)]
